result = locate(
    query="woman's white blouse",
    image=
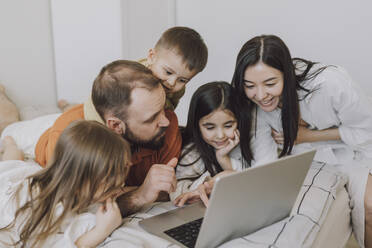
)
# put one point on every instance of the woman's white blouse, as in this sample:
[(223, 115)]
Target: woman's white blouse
[(335, 101)]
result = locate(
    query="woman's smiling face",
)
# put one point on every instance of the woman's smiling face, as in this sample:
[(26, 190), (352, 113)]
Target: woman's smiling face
[(263, 85)]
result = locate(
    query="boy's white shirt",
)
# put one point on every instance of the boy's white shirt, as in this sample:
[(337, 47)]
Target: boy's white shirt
[(14, 193)]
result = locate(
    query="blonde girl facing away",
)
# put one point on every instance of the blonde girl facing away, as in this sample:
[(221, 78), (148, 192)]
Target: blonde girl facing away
[(52, 207)]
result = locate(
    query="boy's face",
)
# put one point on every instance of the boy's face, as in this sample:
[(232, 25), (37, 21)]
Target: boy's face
[(168, 66)]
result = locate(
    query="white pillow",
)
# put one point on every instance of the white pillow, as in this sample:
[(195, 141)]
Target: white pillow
[(27, 133)]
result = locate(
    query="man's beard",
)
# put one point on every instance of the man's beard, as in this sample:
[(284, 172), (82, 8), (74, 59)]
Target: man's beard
[(155, 143)]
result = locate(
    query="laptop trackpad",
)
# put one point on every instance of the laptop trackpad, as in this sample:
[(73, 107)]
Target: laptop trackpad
[(157, 224), (191, 212)]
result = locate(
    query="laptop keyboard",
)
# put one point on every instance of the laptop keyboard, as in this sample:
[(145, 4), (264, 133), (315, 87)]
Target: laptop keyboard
[(186, 233)]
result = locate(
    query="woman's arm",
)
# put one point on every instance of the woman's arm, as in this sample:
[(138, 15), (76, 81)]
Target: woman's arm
[(305, 135)]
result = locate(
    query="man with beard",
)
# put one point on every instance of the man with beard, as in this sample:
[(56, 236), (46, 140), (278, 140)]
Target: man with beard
[(128, 99)]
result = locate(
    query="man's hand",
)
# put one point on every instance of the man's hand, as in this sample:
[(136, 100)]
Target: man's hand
[(161, 177)]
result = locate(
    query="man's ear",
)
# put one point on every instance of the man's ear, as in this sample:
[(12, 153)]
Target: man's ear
[(115, 124), (151, 56)]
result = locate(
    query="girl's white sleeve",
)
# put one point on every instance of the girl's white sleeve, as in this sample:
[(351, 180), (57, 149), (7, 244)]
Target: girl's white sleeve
[(189, 177), (77, 227), (14, 187)]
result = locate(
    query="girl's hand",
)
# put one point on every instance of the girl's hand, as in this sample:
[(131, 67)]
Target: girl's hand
[(201, 193), (108, 217), (222, 155), (232, 143)]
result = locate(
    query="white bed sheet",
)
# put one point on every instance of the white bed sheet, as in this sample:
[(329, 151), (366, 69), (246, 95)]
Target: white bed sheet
[(304, 228)]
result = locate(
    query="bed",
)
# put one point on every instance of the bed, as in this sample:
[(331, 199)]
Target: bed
[(319, 218)]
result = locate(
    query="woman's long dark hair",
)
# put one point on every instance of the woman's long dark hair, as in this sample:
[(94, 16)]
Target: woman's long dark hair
[(206, 99), (272, 51)]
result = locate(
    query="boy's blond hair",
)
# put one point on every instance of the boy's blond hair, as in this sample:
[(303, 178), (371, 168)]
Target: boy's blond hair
[(188, 43)]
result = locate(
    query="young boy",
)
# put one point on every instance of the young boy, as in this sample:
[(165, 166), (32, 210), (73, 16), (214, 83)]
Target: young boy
[(177, 57)]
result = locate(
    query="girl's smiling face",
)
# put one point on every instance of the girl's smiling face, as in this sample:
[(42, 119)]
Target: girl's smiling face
[(264, 86), (218, 127)]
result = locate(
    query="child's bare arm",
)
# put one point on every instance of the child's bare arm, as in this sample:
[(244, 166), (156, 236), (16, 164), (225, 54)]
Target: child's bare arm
[(8, 110), (90, 239), (108, 218), (10, 150)]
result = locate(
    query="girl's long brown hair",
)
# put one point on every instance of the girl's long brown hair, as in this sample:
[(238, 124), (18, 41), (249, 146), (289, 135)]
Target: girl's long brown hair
[(88, 157)]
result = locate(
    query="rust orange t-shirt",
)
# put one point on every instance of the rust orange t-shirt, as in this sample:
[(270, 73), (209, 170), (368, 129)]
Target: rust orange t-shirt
[(142, 159), (45, 146)]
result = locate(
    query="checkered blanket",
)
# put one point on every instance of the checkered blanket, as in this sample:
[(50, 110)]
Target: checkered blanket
[(300, 229)]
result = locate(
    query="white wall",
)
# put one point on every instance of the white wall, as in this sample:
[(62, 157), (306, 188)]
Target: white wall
[(86, 35), (27, 61), (26, 57), (335, 32), (91, 33), (143, 22)]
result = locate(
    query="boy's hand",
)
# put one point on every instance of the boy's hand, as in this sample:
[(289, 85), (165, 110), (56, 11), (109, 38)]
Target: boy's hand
[(108, 217)]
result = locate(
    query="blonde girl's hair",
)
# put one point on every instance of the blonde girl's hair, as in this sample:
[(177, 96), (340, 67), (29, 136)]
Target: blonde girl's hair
[(88, 157)]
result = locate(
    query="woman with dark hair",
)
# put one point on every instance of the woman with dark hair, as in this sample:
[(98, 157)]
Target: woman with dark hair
[(210, 142), (306, 105)]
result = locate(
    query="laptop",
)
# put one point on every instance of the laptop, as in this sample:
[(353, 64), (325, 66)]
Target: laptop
[(240, 203)]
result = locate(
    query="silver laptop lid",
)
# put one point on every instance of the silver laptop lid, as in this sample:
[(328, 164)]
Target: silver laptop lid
[(244, 202)]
